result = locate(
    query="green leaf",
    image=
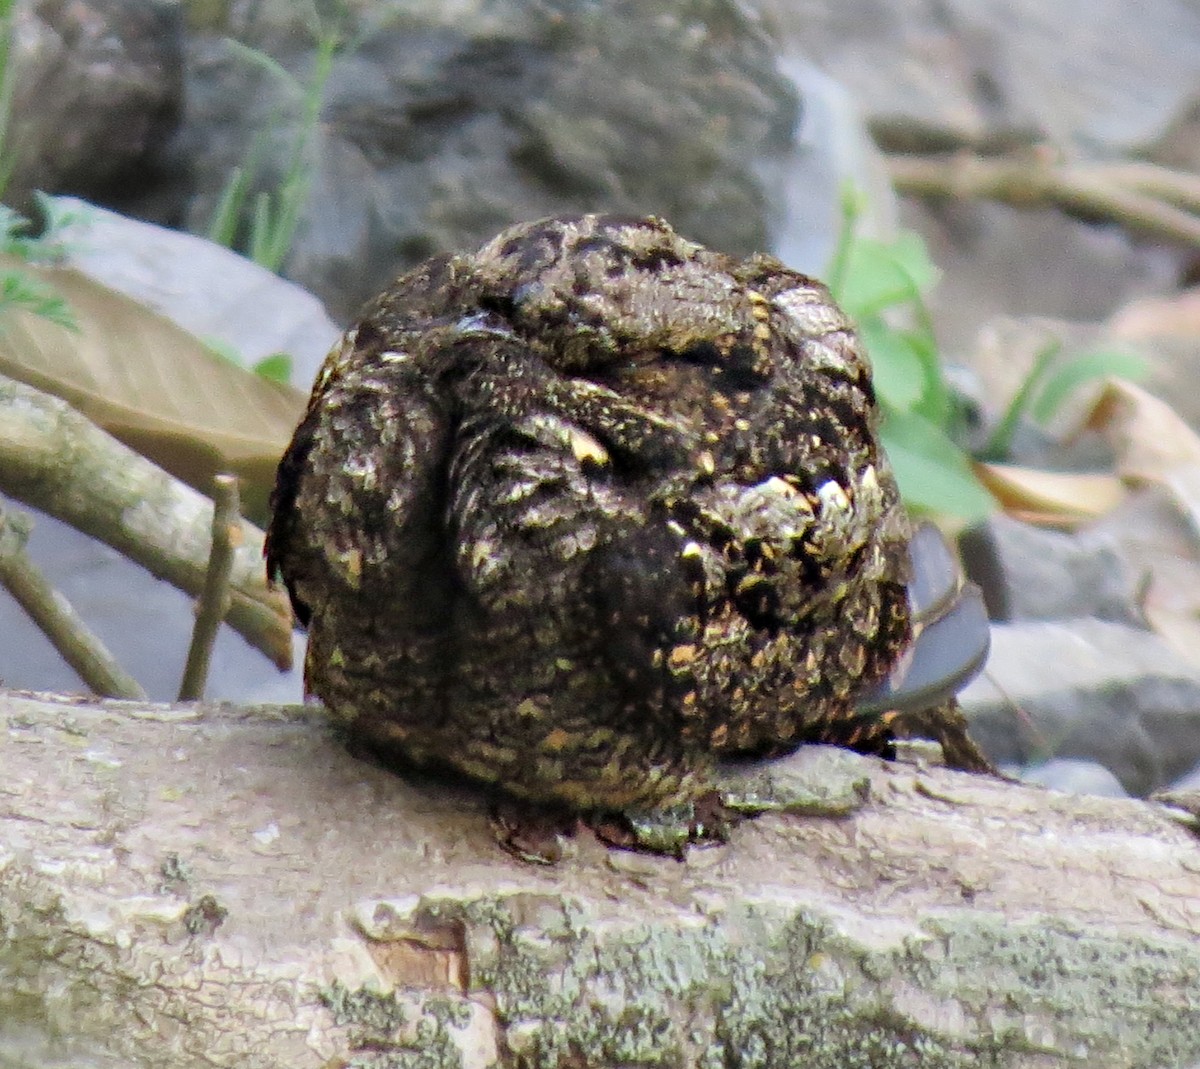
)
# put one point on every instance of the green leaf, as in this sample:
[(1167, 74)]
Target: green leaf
[(868, 277), (12, 225), (934, 474), (277, 367), (897, 363), (225, 350), (880, 275), (1096, 364)]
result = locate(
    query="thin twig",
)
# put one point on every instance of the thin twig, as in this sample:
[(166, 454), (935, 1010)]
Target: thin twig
[(215, 598), (56, 460), (1176, 187), (1145, 197), (53, 614)]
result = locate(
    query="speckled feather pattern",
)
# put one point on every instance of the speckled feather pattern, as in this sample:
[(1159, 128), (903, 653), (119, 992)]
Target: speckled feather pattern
[(580, 512)]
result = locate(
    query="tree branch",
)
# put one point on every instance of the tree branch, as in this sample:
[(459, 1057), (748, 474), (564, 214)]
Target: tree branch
[(56, 460), (58, 621), (1142, 196), (254, 897), (214, 601)]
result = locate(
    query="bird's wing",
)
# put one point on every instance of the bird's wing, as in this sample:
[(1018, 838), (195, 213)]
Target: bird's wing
[(361, 486)]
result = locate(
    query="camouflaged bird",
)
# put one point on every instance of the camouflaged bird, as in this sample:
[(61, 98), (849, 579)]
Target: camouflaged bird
[(586, 510)]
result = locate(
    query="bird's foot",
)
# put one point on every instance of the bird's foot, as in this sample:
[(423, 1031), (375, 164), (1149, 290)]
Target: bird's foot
[(667, 830), (530, 832), (535, 833)]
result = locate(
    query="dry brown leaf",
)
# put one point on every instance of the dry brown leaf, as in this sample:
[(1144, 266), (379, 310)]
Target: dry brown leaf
[(1149, 437), (151, 384), (1050, 498), (1153, 443)]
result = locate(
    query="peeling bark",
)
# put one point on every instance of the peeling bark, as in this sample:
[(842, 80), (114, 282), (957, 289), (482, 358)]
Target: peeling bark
[(218, 886)]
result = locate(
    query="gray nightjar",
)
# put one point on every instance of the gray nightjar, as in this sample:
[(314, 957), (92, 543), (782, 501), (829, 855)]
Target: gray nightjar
[(585, 511)]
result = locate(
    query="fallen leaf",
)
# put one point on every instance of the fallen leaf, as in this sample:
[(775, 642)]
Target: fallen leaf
[(151, 384), (1148, 436), (1153, 443), (1050, 498)]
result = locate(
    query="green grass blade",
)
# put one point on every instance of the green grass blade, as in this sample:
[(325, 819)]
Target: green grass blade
[(257, 58), (1084, 368), (223, 226), (261, 224), (999, 442), (852, 204)]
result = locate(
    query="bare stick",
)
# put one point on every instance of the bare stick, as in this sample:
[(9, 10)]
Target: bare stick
[(55, 459), (53, 614), (1151, 199), (214, 599), (1176, 187)]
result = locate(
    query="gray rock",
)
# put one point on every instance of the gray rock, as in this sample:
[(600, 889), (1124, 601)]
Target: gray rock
[(1189, 781), (1096, 80), (98, 87), (832, 149), (436, 132), (207, 289), (1049, 575), (998, 260), (1090, 689), (443, 123), (1074, 777), (1099, 76), (1154, 528)]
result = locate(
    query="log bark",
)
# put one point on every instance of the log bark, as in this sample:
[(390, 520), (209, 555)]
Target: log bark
[(214, 886)]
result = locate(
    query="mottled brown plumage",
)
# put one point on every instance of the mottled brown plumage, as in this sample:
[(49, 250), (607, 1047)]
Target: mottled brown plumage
[(581, 512)]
